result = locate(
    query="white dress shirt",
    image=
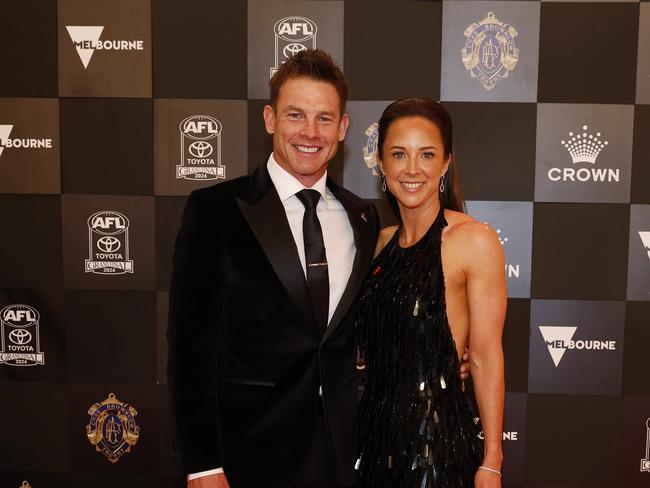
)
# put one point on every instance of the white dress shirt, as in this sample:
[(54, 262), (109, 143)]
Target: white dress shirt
[(337, 236)]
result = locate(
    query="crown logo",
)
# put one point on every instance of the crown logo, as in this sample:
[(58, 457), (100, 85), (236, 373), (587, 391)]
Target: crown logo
[(584, 147)]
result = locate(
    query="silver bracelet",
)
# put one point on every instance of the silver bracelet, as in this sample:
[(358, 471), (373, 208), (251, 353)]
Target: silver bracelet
[(495, 471)]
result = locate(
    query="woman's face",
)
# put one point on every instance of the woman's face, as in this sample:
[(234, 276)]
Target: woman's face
[(413, 161)]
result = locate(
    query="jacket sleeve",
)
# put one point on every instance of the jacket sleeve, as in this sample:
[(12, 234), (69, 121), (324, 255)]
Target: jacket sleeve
[(195, 302)]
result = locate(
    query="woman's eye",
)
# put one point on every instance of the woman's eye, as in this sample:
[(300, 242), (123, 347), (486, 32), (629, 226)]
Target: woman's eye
[(428, 155), (398, 155)]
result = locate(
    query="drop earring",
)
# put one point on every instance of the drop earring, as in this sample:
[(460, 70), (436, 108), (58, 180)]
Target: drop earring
[(383, 182), (442, 184)]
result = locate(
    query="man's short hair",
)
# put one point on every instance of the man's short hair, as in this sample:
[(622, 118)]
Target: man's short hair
[(310, 63)]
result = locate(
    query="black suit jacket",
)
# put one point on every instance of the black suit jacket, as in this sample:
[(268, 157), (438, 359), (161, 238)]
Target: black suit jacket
[(245, 356)]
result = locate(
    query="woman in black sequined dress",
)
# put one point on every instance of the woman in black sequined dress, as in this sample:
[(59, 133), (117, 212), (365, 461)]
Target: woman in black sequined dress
[(436, 287)]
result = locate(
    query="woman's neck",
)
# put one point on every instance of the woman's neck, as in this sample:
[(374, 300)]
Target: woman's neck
[(416, 222)]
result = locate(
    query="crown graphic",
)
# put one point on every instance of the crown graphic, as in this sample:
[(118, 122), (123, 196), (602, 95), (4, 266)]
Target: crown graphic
[(584, 147)]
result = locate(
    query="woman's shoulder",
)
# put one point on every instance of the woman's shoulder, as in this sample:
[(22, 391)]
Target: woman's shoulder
[(385, 235), (465, 232)]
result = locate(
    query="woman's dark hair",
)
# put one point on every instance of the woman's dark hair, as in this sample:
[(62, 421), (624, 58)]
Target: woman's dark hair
[(433, 111)]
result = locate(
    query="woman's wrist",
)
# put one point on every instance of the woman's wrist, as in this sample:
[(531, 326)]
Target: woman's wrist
[(490, 470), (493, 458)]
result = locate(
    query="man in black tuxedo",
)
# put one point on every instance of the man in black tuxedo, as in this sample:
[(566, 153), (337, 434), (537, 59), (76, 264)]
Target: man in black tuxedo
[(261, 332)]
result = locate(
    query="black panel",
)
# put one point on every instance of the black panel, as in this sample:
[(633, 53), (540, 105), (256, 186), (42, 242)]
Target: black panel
[(34, 428), (387, 59), (572, 440), (580, 251), (494, 147), (641, 155), (636, 361), (29, 55), (30, 250), (107, 146), (588, 52), (515, 344), (200, 49), (111, 336)]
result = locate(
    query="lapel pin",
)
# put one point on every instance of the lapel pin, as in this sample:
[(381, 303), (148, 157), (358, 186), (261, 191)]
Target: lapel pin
[(363, 217)]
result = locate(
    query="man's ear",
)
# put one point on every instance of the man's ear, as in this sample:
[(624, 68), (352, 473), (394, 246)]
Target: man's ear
[(343, 126), (269, 119)]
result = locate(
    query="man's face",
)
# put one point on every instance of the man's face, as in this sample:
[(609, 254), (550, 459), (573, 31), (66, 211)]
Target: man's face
[(307, 126)]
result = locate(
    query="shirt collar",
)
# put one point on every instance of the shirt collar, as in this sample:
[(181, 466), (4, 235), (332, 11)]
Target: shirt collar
[(287, 185)]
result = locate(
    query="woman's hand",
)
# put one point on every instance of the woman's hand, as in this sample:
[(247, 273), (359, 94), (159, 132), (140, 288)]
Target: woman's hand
[(487, 479)]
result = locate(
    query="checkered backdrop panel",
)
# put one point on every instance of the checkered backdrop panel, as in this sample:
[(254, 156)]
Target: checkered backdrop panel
[(112, 112)]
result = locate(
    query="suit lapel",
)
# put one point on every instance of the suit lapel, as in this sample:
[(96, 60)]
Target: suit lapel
[(266, 216), (364, 242)]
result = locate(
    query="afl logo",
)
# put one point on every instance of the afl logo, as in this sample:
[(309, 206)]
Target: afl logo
[(108, 222), (108, 244), (200, 127), (292, 35), (18, 345), (200, 149), (295, 29), (19, 316)]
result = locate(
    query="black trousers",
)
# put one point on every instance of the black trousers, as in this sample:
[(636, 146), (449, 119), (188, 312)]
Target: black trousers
[(319, 469)]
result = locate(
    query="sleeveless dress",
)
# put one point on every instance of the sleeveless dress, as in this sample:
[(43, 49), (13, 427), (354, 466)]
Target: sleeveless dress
[(415, 429)]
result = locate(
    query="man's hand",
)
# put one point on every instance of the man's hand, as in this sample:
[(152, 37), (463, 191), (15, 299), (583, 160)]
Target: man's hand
[(211, 481), (464, 367)]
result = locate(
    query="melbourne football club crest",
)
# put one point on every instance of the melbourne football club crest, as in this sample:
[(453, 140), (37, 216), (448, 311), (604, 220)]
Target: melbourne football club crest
[(292, 35), (20, 336), (370, 149), (112, 428), (108, 244), (25, 484), (490, 52), (200, 149)]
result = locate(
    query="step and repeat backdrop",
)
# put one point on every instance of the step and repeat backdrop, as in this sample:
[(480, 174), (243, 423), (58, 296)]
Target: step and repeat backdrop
[(112, 112)]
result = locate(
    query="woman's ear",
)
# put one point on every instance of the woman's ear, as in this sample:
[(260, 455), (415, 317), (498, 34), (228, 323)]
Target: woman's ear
[(445, 168)]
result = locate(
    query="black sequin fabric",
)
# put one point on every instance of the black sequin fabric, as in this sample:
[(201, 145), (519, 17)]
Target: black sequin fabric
[(415, 426)]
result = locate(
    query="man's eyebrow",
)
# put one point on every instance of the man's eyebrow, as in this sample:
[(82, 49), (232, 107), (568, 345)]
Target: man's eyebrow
[(293, 108)]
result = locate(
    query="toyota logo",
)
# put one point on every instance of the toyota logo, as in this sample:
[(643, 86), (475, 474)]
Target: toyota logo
[(108, 244), (20, 336), (200, 149), (293, 48)]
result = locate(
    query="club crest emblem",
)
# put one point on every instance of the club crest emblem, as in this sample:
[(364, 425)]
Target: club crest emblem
[(25, 484), (370, 149), (112, 428), (490, 52)]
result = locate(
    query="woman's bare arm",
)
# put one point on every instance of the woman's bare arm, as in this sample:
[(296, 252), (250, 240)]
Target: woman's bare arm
[(487, 300)]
